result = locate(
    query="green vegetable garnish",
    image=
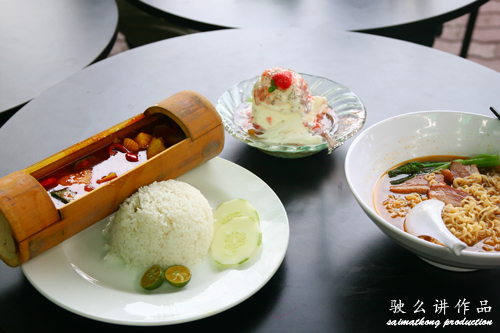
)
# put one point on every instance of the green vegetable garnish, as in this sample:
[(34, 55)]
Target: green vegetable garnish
[(65, 195), (272, 87), (414, 168)]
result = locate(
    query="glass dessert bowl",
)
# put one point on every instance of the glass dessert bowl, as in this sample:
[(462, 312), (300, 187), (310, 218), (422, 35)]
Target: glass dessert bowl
[(347, 106)]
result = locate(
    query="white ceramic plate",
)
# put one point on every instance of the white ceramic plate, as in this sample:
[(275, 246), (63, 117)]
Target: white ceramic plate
[(74, 275)]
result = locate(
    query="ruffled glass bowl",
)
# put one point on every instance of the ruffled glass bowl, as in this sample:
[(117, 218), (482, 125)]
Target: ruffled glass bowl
[(346, 104)]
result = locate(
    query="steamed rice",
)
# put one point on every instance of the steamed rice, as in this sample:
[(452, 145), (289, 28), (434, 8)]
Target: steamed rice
[(165, 223)]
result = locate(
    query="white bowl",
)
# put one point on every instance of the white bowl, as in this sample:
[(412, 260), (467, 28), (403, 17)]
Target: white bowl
[(412, 135)]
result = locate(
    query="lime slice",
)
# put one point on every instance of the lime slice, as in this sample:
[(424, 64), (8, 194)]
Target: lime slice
[(178, 275), (153, 278)]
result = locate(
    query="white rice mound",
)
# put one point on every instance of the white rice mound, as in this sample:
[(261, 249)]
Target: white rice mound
[(165, 223)]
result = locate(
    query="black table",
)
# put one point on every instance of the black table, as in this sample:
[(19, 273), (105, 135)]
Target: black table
[(43, 42), (412, 20), (340, 273)]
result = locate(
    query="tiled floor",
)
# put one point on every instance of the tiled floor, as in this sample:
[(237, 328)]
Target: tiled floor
[(120, 45), (485, 44), (484, 48)]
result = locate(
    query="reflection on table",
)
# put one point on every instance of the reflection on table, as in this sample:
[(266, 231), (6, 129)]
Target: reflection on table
[(45, 42)]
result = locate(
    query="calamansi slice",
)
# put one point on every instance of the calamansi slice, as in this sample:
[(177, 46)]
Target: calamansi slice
[(153, 278), (178, 275)]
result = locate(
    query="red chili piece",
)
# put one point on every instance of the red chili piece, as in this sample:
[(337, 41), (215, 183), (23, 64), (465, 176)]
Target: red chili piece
[(106, 178), (48, 182), (118, 146), (132, 157), (88, 188)]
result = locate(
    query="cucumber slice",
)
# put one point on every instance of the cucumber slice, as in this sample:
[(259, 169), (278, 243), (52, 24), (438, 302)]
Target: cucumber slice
[(234, 208), (236, 241)]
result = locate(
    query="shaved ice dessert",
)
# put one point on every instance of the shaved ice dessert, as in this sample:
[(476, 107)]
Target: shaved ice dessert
[(284, 112)]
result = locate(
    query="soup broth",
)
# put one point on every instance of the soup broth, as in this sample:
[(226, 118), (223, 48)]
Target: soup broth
[(474, 220)]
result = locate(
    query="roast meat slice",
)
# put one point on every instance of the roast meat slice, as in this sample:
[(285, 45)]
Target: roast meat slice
[(417, 184), (461, 171), (448, 176), (447, 194)]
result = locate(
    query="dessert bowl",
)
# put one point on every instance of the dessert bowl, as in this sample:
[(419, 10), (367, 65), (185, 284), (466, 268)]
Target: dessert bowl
[(346, 104), (408, 136)]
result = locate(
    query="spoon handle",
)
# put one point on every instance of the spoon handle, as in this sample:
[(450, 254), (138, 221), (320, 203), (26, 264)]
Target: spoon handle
[(445, 236), (425, 219)]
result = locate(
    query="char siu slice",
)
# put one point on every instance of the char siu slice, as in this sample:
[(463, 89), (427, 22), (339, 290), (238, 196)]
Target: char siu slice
[(461, 171), (448, 176), (447, 194), (417, 184)]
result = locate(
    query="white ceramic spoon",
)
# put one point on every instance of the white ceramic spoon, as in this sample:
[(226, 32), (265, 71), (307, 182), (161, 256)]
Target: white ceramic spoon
[(425, 219)]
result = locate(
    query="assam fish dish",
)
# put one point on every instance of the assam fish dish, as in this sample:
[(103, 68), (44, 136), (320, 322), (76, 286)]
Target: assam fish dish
[(109, 162)]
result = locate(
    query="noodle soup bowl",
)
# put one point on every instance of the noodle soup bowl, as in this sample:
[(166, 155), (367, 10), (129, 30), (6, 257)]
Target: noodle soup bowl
[(408, 136)]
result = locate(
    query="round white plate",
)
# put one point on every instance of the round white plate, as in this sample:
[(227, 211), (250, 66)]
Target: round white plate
[(74, 275)]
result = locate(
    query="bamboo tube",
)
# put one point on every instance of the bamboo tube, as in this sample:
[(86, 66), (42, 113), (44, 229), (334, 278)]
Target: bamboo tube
[(30, 223)]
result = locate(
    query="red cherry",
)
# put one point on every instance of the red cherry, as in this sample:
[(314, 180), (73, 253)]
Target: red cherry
[(283, 80)]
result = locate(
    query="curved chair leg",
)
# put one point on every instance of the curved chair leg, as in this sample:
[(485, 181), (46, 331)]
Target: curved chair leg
[(468, 33)]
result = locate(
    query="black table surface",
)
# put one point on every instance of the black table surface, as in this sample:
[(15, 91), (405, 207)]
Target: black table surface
[(381, 17), (340, 273), (43, 42)]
